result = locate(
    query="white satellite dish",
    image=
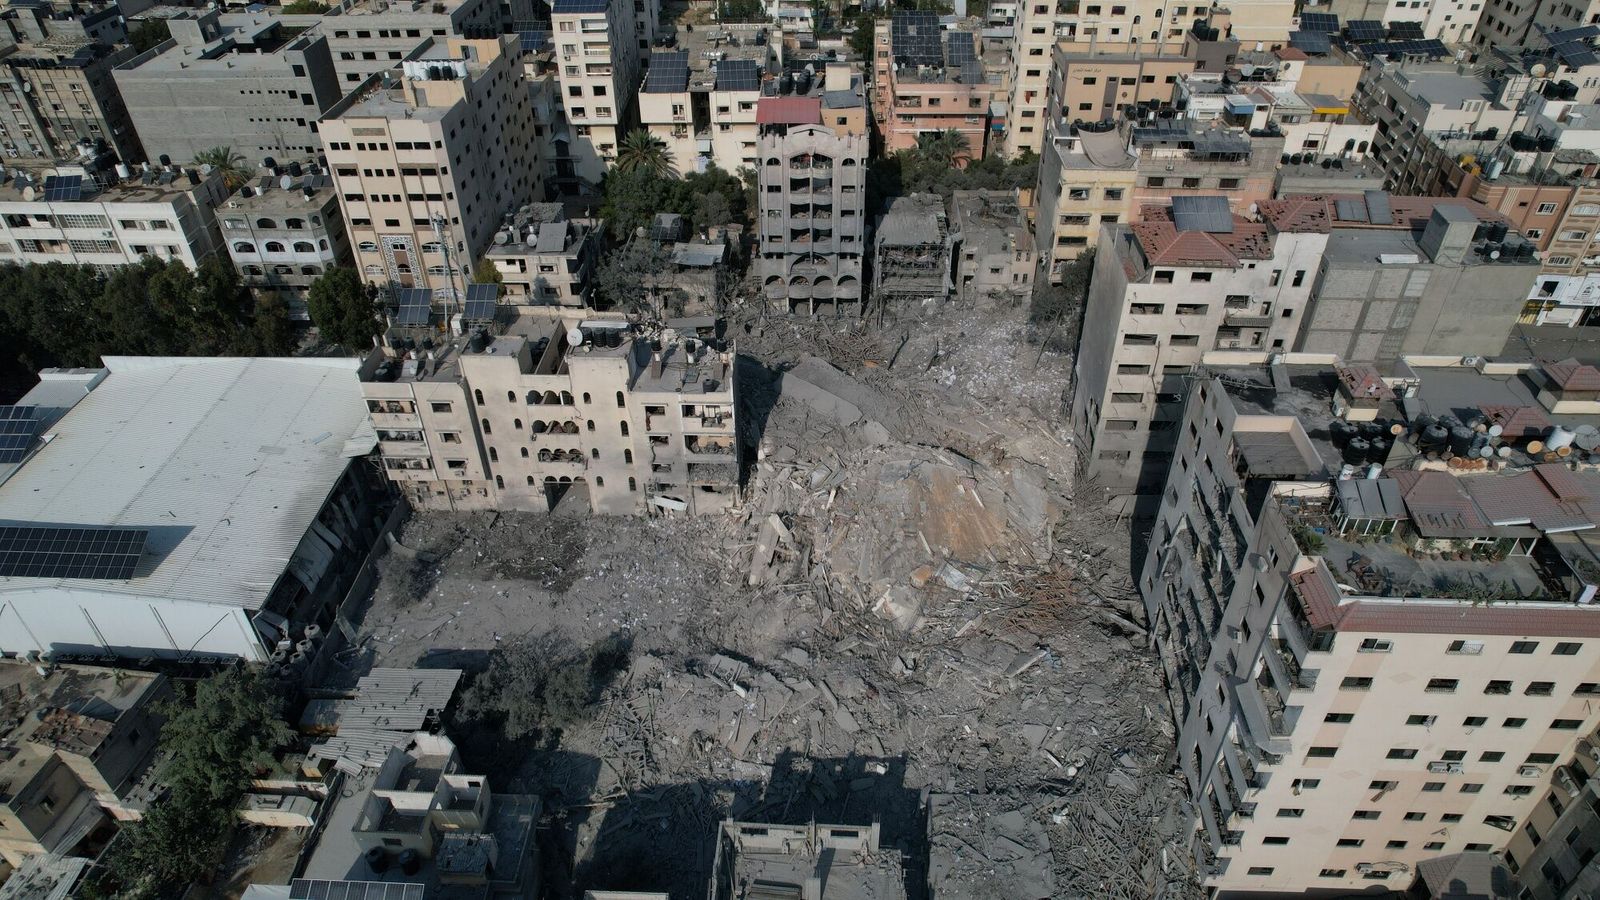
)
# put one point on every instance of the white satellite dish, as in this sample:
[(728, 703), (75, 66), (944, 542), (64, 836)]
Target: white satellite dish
[(500, 237), (575, 337), (286, 182), (205, 169)]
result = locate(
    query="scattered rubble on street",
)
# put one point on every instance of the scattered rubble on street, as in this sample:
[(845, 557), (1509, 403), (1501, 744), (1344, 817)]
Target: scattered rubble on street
[(908, 619)]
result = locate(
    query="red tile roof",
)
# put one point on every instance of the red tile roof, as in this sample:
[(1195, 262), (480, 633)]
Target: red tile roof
[(1165, 245), (1517, 421), (1302, 215), (1326, 608), (1571, 375), (1290, 53), (1317, 213), (789, 111)]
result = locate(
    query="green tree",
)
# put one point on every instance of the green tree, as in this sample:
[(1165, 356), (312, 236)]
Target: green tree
[(271, 331), (531, 686), (304, 8), (944, 149), (634, 277), (486, 272), (642, 151), (213, 745), (343, 310), (632, 199), (1057, 309), (861, 38), (148, 34), (235, 171)]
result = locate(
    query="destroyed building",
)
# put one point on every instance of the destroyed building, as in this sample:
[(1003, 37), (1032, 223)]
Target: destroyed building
[(1371, 595), (993, 259), (911, 254), (76, 743), (532, 408), (804, 862)]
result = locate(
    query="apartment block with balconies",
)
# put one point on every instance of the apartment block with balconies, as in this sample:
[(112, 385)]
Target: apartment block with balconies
[(281, 239), (597, 52), (1377, 652), (813, 197)]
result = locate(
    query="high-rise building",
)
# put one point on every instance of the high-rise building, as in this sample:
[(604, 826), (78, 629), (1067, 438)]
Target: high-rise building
[(597, 51), (246, 82), (1371, 596), (428, 160), (59, 94)]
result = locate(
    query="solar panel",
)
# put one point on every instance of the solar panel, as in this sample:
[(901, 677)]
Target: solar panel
[(915, 39), (414, 306), (1406, 31), (1208, 214), (1366, 30), (29, 551), (1327, 23), (536, 41), (1350, 210), (738, 75), (18, 427), (317, 889), (63, 187), (1311, 41), (962, 48), (1572, 34), (579, 6), (1378, 210), (1575, 54), (481, 302), (669, 72), (1434, 49)]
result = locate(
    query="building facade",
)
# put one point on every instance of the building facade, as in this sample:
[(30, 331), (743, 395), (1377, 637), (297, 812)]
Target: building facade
[(545, 258), (597, 49), (813, 210), (54, 97), (283, 238)]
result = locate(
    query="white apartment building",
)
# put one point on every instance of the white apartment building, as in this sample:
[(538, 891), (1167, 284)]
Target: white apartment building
[(67, 214), (366, 37), (431, 161), (546, 259), (549, 409), (705, 116), (283, 231), (597, 50), (1371, 670)]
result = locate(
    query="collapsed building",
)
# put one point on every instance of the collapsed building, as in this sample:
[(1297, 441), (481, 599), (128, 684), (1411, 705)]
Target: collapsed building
[(911, 255), (994, 257)]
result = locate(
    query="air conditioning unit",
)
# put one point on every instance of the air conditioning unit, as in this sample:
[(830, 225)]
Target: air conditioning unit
[(1363, 868), (1439, 767), (1529, 771), (1564, 778)]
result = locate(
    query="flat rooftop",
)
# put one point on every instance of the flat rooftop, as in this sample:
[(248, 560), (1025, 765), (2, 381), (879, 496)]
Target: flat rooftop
[(246, 48), (26, 185), (991, 221), (842, 862), (1446, 88), (226, 462)]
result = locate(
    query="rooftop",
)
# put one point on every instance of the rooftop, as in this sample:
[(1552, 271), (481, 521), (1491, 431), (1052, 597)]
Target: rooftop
[(291, 189), (226, 462), (150, 184), (72, 709), (991, 221), (1444, 86), (912, 220), (827, 862)]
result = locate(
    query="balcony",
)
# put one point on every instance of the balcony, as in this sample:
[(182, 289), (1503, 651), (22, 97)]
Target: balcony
[(710, 448), (1244, 318)]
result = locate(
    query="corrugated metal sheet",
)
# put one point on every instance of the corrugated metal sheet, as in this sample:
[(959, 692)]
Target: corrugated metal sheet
[(399, 699), (226, 461), (355, 749)]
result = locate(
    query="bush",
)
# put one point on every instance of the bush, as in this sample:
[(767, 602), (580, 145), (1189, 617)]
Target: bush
[(531, 687)]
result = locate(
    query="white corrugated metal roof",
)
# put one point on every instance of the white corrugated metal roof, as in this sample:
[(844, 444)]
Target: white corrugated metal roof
[(399, 699), (226, 461), (359, 748)]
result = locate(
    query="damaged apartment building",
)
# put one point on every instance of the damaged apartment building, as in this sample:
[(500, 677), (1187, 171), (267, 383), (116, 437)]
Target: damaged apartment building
[(1365, 277), (531, 408), (1372, 597), (911, 255)]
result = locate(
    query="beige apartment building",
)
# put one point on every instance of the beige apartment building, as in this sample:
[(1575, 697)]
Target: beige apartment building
[(1094, 87), (705, 117), (545, 409), (1086, 182), (598, 54), (546, 258), (429, 159), (366, 37), (928, 79), (1378, 644), (57, 94)]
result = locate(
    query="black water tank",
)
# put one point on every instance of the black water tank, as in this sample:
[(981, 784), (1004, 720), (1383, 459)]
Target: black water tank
[(1434, 436), (1498, 231), (410, 862), (1378, 450), (1341, 432), (1355, 452), (478, 342), (377, 860), (1461, 438)]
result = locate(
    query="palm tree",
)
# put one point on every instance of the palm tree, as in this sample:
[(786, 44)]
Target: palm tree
[(947, 148), (642, 151), (223, 159)]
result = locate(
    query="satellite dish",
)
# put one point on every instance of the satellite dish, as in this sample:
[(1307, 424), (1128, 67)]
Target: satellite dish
[(205, 169), (1494, 254), (1538, 70), (286, 182), (500, 237), (1247, 70), (575, 337), (1587, 438)]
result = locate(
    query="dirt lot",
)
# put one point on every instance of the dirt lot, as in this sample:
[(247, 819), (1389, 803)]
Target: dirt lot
[(840, 648)]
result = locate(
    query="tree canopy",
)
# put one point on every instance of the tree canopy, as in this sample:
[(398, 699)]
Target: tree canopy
[(632, 199), (344, 310), (148, 34), (69, 315), (213, 745), (642, 151), (229, 162), (930, 171)]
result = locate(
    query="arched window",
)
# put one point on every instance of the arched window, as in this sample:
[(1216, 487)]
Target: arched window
[(595, 452), (499, 482), (524, 452), (633, 483), (586, 397), (624, 429), (535, 397), (244, 247), (367, 247), (486, 428), (773, 161), (316, 219), (566, 398), (494, 455), (266, 223), (621, 402), (275, 247), (477, 395), (433, 247), (304, 247), (590, 423), (544, 456), (848, 161), (599, 481), (530, 478), (627, 457), (511, 396), (283, 270), (322, 244), (295, 224), (517, 423)]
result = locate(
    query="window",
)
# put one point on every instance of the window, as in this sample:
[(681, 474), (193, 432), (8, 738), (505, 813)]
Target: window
[(1138, 340), (1514, 722), (1199, 276), (1567, 724), (1450, 818), (1539, 688), (1546, 209), (1470, 648), (1524, 646), (1355, 683), (1366, 815), (1321, 752), (1289, 813), (1518, 790), (1587, 689), (1331, 873), (1471, 787), (1382, 785), (440, 406), (1260, 870), (1497, 687), (1491, 756), (1375, 645), (1339, 718), (1432, 787), (1566, 648), (1442, 685), (1415, 816), (1273, 840), (1473, 721), (1350, 842), (1402, 753), (1419, 719), (1540, 759)]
